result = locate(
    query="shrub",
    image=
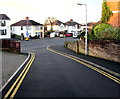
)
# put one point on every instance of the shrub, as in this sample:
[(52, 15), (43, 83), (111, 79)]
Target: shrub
[(100, 30), (91, 36), (16, 36), (116, 34)]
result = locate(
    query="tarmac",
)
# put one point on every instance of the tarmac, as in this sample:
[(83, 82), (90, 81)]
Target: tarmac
[(10, 63)]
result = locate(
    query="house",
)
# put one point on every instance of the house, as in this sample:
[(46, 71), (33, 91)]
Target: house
[(56, 26), (72, 27), (28, 28), (4, 27), (68, 27), (114, 7)]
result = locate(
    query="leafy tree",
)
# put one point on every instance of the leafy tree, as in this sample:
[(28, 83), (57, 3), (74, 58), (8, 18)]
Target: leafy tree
[(106, 13)]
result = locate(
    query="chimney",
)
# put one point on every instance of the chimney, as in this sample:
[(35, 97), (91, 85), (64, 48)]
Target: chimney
[(71, 20), (27, 18)]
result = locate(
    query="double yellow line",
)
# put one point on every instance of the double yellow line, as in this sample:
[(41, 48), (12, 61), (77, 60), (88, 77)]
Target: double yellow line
[(14, 88), (114, 78)]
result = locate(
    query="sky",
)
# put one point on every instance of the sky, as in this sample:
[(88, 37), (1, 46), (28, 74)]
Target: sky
[(63, 10)]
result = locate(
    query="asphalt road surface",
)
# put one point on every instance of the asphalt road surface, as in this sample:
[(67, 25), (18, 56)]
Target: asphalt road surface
[(53, 75)]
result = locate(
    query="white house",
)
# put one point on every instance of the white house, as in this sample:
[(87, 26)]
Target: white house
[(72, 27), (28, 28), (68, 27), (4, 27), (56, 26)]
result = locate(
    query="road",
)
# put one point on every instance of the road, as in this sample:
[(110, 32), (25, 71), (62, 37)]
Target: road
[(53, 74)]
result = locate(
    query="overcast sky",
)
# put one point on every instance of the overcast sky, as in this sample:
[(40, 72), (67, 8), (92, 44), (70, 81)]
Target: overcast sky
[(63, 10)]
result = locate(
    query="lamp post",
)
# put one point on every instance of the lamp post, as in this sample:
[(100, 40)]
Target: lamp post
[(86, 40)]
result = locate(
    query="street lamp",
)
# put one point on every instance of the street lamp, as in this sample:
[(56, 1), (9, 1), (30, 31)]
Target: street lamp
[(86, 40)]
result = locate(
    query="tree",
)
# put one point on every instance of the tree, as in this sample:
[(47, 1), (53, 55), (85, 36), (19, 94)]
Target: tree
[(106, 13), (50, 21)]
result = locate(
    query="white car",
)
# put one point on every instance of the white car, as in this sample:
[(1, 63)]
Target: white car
[(61, 35), (52, 34)]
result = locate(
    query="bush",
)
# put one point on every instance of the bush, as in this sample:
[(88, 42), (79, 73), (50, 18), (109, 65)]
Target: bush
[(116, 34), (104, 32), (16, 36), (81, 35), (99, 30), (91, 36)]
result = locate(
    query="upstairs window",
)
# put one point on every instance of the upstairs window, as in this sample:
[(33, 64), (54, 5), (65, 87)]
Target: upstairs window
[(37, 27), (3, 32), (28, 27), (41, 28), (2, 23)]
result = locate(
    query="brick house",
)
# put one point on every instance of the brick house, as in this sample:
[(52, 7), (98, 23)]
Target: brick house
[(114, 7)]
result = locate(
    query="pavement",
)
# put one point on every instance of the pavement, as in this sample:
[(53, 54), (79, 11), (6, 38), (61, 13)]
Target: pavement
[(111, 65), (10, 63)]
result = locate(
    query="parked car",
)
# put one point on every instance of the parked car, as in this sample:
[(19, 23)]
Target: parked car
[(68, 34), (61, 35), (52, 34)]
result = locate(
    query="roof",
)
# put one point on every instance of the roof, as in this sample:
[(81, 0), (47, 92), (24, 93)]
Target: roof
[(57, 22), (24, 23), (71, 23), (4, 17)]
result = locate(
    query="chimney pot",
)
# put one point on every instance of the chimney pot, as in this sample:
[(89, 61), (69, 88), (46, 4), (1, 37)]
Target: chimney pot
[(71, 20), (27, 18)]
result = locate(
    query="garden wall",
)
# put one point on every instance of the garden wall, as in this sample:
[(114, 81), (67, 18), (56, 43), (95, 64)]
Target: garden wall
[(109, 50)]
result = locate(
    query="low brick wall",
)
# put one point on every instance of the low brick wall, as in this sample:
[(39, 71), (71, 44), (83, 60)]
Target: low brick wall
[(98, 48), (10, 45)]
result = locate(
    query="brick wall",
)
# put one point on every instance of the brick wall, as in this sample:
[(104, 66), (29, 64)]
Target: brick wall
[(115, 7), (10, 45)]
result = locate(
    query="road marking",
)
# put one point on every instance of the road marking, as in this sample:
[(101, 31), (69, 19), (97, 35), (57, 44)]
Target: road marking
[(14, 73), (17, 87), (88, 65), (21, 78)]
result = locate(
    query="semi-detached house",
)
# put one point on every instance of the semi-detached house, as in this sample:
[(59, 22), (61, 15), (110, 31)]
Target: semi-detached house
[(4, 27), (72, 27), (57, 26), (28, 28)]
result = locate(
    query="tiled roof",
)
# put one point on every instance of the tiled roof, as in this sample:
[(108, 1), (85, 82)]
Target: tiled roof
[(57, 22), (24, 23), (4, 17), (71, 23)]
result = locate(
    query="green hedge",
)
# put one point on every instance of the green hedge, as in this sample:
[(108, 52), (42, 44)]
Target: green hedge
[(105, 32)]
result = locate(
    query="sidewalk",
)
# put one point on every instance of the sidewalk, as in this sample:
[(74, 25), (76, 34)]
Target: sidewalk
[(10, 63), (114, 66)]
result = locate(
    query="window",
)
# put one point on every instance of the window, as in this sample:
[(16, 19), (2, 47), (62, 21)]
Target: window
[(28, 27), (41, 28), (2, 23), (37, 28), (3, 32)]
